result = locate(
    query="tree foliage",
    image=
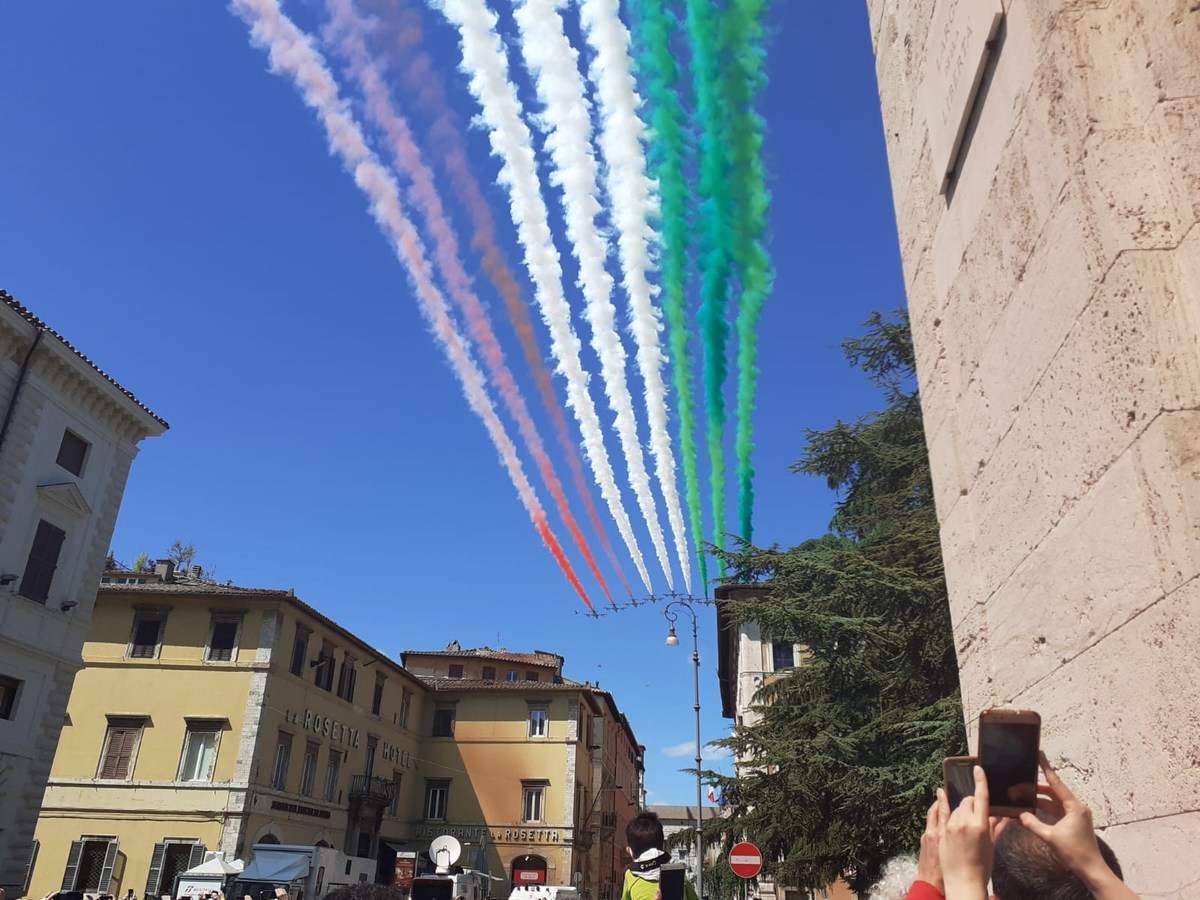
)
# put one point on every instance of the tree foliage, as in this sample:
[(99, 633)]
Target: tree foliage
[(850, 742)]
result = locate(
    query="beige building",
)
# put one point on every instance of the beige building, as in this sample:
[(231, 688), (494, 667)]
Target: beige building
[(679, 819), (1047, 224), (68, 435), (216, 717), (537, 772)]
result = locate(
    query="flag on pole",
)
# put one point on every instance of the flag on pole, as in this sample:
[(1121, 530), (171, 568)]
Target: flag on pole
[(712, 794)]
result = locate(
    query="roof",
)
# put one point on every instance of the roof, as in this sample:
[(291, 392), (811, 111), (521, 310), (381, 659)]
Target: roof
[(478, 684), (183, 585), (33, 320), (537, 658), (685, 813)]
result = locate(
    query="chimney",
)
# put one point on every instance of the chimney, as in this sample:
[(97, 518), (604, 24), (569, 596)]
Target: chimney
[(196, 572), (165, 569)]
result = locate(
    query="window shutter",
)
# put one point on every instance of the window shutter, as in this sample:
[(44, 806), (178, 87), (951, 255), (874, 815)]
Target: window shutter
[(156, 864), (110, 860), (197, 855), (68, 882), (120, 754), (33, 855)]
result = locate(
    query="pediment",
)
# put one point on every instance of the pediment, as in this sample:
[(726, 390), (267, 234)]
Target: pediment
[(66, 496)]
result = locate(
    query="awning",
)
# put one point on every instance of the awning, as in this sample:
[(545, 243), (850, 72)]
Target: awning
[(276, 866)]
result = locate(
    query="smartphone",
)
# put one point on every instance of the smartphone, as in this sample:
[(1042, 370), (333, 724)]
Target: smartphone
[(1008, 753), (671, 880), (958, 772)]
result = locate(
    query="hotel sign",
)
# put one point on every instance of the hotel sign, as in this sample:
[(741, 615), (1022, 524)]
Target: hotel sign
[(956, 53)]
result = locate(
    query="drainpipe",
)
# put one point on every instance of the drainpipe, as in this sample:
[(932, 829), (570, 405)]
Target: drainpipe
[(21, 376)]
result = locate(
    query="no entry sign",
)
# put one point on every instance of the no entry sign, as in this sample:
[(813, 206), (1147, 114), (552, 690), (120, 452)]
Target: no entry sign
[(745, 859)]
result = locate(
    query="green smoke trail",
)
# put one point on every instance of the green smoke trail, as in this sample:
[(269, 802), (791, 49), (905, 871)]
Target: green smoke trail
[(742, 36), (714, 255), (658, 76)]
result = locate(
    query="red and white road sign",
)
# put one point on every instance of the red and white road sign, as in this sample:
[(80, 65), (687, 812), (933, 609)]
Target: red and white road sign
[(745, 859)]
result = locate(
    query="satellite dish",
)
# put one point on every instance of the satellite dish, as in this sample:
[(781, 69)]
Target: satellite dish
[(444, 851)]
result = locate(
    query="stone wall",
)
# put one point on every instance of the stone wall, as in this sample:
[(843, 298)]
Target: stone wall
[(1055, 296)]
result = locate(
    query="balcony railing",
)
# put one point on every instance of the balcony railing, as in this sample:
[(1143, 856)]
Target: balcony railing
[(369, 789)]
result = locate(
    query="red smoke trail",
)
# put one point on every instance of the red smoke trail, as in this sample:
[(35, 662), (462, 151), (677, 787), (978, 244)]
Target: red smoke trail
[(347, 32), (291, 53), (424, 83)]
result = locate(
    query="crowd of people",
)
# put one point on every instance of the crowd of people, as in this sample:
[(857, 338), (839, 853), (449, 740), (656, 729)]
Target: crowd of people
[(1053, 854)]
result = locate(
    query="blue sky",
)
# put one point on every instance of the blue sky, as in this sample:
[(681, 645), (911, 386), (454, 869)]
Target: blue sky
[(170, 206)]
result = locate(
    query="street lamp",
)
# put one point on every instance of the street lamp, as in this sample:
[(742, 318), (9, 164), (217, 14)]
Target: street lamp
[(673, 641)]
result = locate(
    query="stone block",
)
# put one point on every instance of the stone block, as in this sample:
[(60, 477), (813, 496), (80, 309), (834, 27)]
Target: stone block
[(1172, 30), (971, 644), (1129, 191), (1167, 461), (1130, 355), (1147, 848), (1177, 139), (959, 535), (1055, 286), (1123, 714), (1101, 574), (1112, 60), (949, 484)]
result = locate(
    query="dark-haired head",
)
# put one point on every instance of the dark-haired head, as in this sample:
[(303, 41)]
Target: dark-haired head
[(1027, 868), (644, 833)]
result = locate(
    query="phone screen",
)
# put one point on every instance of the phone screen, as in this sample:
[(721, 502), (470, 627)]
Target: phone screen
[(1008, 752), (671, 879), (960, 781)]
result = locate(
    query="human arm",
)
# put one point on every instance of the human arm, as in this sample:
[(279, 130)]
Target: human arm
[(929, 868), (965, 849), (1073, 837)]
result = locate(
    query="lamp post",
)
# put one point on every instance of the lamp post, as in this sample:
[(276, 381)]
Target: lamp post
[(673, 641)]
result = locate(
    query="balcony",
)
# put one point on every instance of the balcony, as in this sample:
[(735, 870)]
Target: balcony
[(368, 789)]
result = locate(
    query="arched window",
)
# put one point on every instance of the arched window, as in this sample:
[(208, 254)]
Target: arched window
[(528, 869), (268, 838)]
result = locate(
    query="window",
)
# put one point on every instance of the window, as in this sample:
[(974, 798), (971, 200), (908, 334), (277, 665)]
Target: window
[(146, 641), (120, 748), (9, 687), (323, 667), (283, 754), (405, 706), (170, 860), (347, 678), (443, 721), (90, 865), (397, 779), (308, 774), (436, 795), (512, 675), (533, 801), (300, 650), (377, 698), (531, 676), (456, 671), (43, 560), (200, 750), (489, 673), (331, 775), (72, 452), (538, 720), (372, 747), (223, 638), (783, 655)]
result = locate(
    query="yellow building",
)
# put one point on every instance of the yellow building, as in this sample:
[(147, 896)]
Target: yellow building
[(212, 717), (535, 771), (218, 717)]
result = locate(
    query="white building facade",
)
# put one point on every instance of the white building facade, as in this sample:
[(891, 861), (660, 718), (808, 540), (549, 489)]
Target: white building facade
[(68, 434)]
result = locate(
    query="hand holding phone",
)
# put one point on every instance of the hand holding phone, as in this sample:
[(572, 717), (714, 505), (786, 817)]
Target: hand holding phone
[(959, 779)]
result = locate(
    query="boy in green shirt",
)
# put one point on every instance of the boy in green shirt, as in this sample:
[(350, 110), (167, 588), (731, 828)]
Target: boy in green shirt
[(644, 844)]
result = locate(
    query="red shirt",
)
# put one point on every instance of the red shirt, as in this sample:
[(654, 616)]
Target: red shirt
[(923, 890)]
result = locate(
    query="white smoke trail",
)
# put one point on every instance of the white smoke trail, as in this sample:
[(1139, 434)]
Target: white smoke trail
[(553, 63), (291, 52), (486, 65), (634, 204)]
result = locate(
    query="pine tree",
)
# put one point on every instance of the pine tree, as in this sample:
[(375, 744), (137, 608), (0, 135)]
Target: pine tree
[(850, 743)]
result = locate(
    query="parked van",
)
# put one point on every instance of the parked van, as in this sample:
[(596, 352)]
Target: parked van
[(544, 892)]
